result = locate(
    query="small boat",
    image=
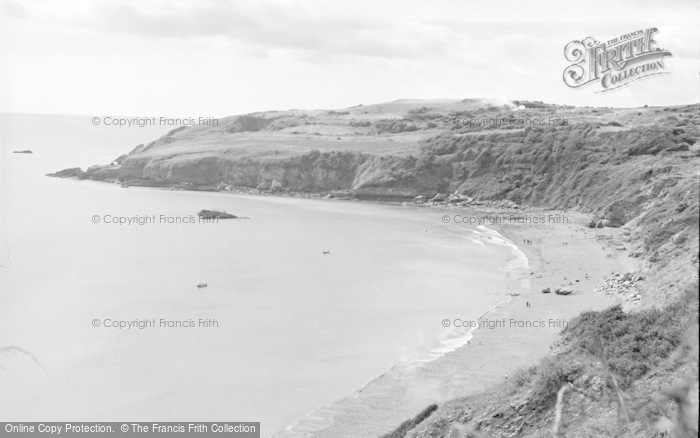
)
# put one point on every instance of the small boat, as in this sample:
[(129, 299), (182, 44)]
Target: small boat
[(201, 285), (326, 252)]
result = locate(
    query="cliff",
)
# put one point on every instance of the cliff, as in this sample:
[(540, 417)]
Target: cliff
[(526, 152)]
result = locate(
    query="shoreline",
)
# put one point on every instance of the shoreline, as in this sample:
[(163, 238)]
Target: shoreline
[(323, 417), (557, 256)]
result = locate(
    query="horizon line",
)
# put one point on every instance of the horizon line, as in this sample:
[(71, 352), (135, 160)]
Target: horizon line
[(348, 107)]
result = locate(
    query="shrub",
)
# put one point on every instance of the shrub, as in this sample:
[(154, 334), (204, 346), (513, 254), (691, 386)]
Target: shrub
[(407, 425), (551, 374), (633, 343)]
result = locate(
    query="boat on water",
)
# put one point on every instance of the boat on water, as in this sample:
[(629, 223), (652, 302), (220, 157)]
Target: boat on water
[(201, 285)]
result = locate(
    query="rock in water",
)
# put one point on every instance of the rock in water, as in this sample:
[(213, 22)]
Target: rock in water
[(213, 214), (73, 172)]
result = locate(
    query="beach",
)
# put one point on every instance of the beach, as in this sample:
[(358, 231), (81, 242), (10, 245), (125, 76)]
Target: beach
[(512, 336)]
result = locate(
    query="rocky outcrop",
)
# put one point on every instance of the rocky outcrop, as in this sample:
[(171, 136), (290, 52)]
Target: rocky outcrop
[(564, 290), (73, 172), (213, 214), (622, 285)]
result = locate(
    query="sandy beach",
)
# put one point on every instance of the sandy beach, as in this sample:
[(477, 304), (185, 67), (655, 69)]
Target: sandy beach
[(558, 254)]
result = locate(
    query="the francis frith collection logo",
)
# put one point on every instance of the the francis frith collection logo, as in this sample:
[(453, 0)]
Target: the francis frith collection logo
[(615, 63)]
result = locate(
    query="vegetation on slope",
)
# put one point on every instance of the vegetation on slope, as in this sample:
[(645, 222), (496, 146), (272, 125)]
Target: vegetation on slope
[(624, 374)]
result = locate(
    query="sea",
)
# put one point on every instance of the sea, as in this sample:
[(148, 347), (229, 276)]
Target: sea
[(306, 300)]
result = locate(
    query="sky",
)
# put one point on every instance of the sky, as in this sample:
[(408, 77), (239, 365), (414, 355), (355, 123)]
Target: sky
[(217, 58)]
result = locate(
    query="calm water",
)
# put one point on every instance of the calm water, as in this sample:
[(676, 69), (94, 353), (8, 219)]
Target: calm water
[(297, 329)]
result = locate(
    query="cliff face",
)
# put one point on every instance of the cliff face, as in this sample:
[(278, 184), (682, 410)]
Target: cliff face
[(580, 166)]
